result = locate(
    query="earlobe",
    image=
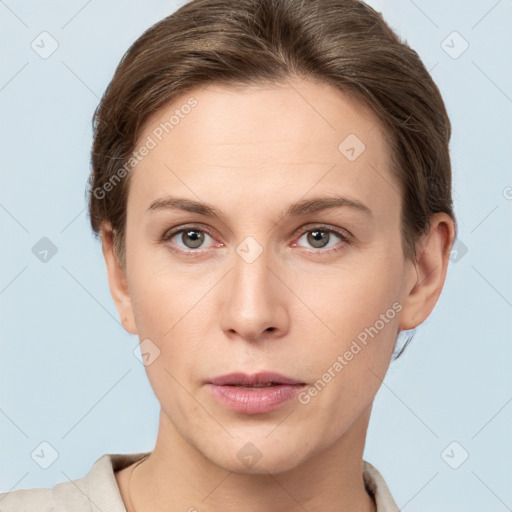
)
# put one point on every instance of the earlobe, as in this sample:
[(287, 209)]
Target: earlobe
[(117, 280), (430, 272)]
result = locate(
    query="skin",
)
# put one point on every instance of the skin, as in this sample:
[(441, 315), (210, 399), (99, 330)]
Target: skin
[(251, 153)]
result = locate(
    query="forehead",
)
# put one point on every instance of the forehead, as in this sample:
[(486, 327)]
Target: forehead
[(290, 137)]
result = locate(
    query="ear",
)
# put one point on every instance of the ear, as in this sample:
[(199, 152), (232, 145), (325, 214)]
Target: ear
[(430, 272), (117, 281)]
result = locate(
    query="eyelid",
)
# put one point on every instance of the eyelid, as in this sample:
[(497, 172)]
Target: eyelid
[(178, 229), (343, 233)]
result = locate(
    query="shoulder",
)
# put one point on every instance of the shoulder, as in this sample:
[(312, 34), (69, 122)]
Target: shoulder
[(98, 487), (71, 494), (26, 500)]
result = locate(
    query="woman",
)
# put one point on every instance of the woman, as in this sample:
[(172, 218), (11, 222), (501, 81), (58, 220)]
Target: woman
[(271, 184)]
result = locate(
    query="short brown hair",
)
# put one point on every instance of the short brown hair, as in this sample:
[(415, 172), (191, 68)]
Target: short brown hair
[(345, 43)]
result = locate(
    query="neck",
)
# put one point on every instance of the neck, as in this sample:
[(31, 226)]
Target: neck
[(178, 477)]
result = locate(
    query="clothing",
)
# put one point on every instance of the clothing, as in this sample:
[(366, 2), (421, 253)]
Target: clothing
[(97, 491)]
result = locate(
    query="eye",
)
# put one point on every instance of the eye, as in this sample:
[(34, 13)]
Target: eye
[(320, 237), (191, 238)]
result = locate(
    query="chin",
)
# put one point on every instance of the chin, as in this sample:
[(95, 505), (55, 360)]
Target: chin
[(264, 466), (259, 456)]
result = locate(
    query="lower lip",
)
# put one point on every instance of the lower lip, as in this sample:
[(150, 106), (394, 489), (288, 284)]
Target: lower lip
[(255, 400)]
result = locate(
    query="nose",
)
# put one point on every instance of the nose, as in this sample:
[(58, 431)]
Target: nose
[(254, 301)]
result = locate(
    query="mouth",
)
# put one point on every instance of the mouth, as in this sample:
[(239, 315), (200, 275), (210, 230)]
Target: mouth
[(254, 394), (268, 384), (257, 380)]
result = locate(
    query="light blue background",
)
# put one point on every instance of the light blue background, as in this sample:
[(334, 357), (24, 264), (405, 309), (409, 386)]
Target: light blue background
[(68, 374)]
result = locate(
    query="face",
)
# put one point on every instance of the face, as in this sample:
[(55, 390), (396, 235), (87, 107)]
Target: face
[(292, 263)]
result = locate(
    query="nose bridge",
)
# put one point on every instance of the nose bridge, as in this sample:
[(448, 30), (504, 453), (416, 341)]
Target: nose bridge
[(251, 274), (253, 303)]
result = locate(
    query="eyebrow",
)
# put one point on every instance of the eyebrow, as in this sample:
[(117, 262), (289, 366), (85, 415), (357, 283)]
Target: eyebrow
[(298, 209)]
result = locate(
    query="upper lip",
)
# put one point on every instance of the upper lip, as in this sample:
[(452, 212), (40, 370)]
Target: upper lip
[(261, 378)]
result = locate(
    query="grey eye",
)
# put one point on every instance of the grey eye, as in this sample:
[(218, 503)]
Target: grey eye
[(321, 238), (192, 238), (318, 238)]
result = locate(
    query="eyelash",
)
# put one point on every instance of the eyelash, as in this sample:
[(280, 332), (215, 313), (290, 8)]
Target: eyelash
[(345, 236)]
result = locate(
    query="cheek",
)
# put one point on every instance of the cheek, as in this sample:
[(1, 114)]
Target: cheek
[(359, 309), (350, 370), (167, 313), (163, 297), (172, 309), (348, 299)]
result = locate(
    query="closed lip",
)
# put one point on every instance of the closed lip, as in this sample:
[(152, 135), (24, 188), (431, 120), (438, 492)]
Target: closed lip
[(255, 379)]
